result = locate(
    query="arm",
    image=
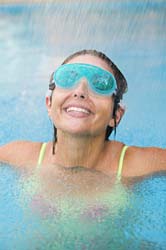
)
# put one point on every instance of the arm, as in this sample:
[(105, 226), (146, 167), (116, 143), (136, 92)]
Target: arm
[(158, 161), (20, 153)]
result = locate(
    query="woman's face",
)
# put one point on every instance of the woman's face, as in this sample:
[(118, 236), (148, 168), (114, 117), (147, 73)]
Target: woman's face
[(79, 111)]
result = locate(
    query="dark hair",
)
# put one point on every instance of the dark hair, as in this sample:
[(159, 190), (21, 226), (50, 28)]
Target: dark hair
[(121, 86)]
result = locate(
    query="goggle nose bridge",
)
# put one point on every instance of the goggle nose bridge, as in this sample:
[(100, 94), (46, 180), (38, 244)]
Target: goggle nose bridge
[(78, 81)]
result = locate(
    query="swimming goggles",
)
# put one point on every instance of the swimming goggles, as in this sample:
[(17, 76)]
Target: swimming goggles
[(100, 81)]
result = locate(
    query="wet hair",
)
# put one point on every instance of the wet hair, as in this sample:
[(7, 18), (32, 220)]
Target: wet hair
[(121, 87)]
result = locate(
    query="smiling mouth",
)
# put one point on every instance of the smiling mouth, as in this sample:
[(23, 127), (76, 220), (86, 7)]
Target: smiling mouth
[(76, 109)]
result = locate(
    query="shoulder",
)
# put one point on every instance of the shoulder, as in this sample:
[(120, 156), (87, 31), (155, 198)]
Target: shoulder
[(20, 153), (140, 161)]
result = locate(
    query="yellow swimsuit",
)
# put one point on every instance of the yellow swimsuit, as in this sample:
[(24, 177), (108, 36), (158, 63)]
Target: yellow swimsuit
[(120, 165), (33, 194)]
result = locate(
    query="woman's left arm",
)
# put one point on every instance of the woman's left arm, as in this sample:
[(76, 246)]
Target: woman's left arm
[(141, 161), (154, 159)]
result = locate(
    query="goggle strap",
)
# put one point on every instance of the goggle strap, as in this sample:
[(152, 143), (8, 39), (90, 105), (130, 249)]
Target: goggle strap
[(52, 85)]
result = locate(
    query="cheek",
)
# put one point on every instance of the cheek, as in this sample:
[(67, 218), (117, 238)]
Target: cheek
[(59, 97), (104, 113), (55, 106), (105, 108)]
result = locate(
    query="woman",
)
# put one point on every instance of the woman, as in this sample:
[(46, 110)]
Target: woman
[(84, 106)]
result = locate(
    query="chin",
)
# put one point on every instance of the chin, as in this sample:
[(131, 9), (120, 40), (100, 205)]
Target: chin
[(79, 128), (78, 132), (75, 131)]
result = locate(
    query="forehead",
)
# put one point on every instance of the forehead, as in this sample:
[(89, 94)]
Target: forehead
[(90, 59)]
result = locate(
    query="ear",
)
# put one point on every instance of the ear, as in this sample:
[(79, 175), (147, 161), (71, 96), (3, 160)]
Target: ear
[(118, 116), (48, 104)]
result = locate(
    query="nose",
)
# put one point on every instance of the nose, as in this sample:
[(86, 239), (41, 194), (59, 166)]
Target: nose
[(81, 89)]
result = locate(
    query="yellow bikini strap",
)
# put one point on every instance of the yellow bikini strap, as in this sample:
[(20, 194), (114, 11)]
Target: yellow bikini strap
[(41, 154), (121, 160)]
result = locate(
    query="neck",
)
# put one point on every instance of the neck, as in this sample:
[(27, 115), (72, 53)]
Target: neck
[(84, 151)]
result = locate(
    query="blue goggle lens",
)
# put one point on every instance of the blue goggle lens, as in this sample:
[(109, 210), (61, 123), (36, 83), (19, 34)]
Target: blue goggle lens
[(102, 82)]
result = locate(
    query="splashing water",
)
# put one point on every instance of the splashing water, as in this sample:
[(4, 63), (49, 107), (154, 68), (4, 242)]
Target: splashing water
[(130, 32)]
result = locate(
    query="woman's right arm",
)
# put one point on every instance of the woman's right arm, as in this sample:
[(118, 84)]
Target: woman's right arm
[(20, 153)]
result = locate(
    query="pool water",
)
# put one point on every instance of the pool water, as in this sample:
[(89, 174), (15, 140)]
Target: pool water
[(134, 218), (34, 40)]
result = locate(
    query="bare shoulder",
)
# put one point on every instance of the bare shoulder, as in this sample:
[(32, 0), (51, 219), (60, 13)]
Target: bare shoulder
[(20, 153), (141, 161)]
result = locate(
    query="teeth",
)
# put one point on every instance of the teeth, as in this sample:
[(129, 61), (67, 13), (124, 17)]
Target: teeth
[(77, 110)]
